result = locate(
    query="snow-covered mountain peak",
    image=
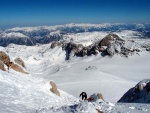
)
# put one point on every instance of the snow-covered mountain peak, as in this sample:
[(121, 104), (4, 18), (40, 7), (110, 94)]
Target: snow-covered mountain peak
[(140, 26), (77, 57), (13, 35), (26, 29), (47, 34)]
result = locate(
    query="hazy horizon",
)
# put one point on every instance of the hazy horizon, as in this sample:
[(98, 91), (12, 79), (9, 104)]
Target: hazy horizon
[(9, 27)]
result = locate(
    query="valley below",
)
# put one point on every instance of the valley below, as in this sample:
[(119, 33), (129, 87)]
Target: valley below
[(111, 72)]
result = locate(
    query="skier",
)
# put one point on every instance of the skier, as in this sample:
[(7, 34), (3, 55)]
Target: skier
[(83, 95)]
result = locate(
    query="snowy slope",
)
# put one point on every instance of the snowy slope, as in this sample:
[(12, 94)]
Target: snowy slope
[(91, 74), (23, 94), (111, 76), (104, 75)]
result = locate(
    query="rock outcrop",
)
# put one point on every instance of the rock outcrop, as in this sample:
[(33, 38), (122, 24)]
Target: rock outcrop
[(100, 96), (20, 62), (113, 43), (54, 88), (55, 43), (138, 94), (105, 45), (110, 45), (99, 111), (79, 50), (4, 58), (109, 38), (17, 68), (2, 66)]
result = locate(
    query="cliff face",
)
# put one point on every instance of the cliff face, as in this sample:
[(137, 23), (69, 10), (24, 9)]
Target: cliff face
[(138, 94)]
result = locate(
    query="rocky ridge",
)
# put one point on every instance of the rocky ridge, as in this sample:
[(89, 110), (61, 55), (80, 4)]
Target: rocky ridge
[(31, 36), (5, 61), (110, 45)]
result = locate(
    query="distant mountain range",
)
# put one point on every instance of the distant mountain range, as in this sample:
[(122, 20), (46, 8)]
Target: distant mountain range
[(45, 34)]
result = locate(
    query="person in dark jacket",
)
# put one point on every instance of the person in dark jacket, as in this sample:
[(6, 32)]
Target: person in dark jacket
[(83, 95)]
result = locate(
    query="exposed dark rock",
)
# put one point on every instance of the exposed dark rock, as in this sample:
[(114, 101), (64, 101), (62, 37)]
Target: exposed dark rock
[(55, 43), (113, 42), (147, 49), (70, 48), (110, 45), (102, 48), (138, 94), (109, 38)]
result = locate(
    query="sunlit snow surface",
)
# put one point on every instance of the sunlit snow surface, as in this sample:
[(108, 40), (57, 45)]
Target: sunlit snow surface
[(112, 77), (24, 94), (81, 33)]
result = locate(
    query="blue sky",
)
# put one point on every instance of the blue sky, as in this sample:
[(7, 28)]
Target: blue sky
[(51, 12)]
